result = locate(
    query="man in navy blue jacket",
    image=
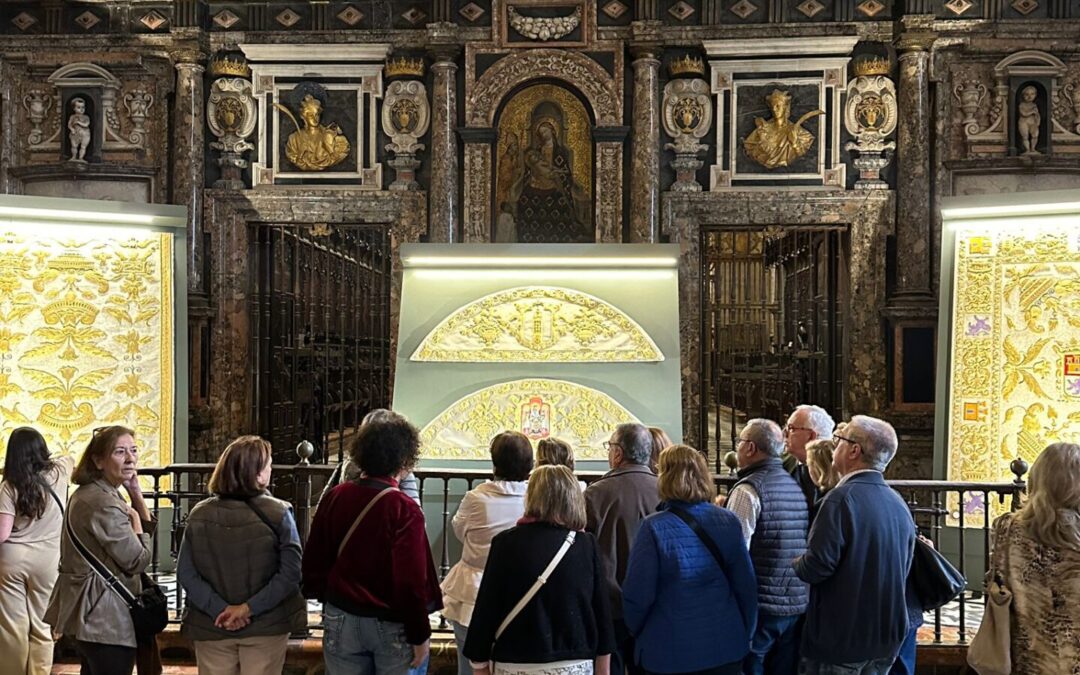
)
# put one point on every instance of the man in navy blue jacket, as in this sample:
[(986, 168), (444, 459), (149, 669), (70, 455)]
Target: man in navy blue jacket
[(857, 560)]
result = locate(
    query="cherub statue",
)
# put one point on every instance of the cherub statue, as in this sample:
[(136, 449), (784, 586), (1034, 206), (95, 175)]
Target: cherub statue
[(1027, 124), (78, 130)]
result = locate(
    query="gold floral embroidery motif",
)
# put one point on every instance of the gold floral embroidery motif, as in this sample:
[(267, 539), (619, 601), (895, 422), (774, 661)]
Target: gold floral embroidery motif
[(87, 336), (580, 415), (538, 324), (1015, 373)]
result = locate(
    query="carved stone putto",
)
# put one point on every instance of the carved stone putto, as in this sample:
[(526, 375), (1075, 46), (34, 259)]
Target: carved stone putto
[(688, 115), (870, 115), (405, 118), (230, 113)]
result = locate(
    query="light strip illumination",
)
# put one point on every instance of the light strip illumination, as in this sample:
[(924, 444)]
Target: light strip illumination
[(1052, 208), (547, 261), (77, 216), (1047, 222), (564, 274)]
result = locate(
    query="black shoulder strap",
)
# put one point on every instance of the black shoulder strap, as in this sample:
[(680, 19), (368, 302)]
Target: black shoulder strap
[(56, 497), (261, 515), (110, 579), (696, 527)]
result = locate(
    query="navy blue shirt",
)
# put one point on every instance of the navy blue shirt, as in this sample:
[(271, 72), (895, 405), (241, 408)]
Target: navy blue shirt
[(857, 561)]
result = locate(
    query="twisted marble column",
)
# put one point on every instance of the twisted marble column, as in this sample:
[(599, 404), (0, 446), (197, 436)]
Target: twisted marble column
[(443, 194), (913, 215), (645, 148), (189, 172)]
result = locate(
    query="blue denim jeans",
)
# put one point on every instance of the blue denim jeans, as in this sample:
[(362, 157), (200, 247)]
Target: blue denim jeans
[(463, 667), (872, 667), (774, 646), (905, 660), (360, 645)]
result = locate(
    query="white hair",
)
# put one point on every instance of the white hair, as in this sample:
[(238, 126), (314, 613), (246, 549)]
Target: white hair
[(877, 438), (765, 435), (818, 419)]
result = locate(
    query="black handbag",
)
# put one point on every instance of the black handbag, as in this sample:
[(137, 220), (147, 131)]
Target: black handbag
[(149, 609), (933, 578)]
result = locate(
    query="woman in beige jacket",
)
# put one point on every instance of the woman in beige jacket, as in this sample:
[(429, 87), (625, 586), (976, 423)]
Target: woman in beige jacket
[(83, 607), (30, 523)]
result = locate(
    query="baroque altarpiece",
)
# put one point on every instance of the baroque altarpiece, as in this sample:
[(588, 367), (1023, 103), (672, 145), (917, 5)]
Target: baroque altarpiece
[(796, 151)]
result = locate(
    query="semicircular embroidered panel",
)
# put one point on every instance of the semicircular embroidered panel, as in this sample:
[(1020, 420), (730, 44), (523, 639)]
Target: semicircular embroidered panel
[(538, 324), (538, 408)]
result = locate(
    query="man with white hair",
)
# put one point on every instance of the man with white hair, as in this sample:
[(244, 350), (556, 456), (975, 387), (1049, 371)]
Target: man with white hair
[(772, 509), (857, 560), (807, 423)]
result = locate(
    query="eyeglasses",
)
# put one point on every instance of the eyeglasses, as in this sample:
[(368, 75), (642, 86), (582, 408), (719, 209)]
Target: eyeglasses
[(789, 429), (838, 437), (608, 445), (744, 440)]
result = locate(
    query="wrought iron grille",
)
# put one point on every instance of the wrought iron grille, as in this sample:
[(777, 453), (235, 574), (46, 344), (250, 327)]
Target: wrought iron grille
[(320, 331), (772, 325)]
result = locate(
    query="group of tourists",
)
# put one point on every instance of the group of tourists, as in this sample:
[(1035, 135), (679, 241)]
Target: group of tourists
[(802, 567)]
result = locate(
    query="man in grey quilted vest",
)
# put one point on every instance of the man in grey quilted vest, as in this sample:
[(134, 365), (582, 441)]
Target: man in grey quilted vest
[(772, 509)]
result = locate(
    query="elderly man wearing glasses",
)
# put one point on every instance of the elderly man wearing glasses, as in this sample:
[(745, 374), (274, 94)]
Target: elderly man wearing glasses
[(615, 505), (857, 560), (807, 423)]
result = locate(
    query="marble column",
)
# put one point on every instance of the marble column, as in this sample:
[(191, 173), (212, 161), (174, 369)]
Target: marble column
[(443, 198), (645, 147), (913, 214), (189, 172)]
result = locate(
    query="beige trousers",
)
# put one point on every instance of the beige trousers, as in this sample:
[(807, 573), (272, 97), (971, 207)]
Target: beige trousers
[(264, 655), (27, 575)]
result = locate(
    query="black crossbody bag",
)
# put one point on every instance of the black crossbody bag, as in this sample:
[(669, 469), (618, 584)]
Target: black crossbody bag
[(149, 609), (696, 527)]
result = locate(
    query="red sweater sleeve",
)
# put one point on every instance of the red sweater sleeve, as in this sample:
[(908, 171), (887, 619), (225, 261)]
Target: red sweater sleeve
[(413, 572)]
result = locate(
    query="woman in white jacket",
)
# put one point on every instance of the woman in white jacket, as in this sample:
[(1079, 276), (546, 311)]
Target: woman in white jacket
[(485, 511)]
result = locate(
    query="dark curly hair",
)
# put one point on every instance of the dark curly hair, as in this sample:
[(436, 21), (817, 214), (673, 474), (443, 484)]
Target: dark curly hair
[(387, 446), (25, 466)]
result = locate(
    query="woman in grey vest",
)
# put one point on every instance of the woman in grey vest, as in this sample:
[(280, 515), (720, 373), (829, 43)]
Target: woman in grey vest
[(240, 566)]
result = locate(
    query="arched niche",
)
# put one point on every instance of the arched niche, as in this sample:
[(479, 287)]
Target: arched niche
[(485, 98)]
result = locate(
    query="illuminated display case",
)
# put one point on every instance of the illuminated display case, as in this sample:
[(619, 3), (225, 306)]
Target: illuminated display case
[(1010, 332), (93, 322), (547, 339)]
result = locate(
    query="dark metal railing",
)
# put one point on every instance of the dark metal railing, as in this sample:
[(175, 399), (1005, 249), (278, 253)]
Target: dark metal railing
[(179, 487)]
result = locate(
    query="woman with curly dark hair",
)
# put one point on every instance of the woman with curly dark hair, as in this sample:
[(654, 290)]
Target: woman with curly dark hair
[(30, 524), (368, 560)]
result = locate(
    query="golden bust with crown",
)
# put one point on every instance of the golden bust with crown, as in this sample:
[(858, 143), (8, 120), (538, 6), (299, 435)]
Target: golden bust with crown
[(779, 142)]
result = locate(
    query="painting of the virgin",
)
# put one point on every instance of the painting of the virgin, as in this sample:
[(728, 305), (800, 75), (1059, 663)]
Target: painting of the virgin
[(543, 188)]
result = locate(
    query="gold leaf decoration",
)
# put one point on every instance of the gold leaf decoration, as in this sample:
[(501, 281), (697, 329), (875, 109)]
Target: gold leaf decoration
[(539, 408), (538, 324), (1015, 373), (87, 336)]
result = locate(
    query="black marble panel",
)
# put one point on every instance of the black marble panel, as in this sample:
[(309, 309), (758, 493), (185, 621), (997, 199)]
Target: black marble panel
[(753, 106), (78, 22)]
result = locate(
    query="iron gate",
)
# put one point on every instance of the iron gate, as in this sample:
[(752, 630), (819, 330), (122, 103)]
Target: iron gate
[(772, 325), (320, 331)]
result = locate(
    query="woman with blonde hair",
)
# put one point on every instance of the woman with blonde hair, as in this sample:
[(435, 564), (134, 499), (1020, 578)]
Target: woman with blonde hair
[(660, 441), (240, 567), (82, 605), (556, 452), (31, 519), (819, 463), (690, 568), (1036, 553), (528, 626)]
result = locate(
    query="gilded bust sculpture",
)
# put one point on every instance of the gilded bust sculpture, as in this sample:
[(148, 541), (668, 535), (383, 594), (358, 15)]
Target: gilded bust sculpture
[(778, 142), (315, 146)]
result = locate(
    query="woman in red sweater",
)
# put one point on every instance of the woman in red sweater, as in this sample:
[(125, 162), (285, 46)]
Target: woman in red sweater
[(369, 562)]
